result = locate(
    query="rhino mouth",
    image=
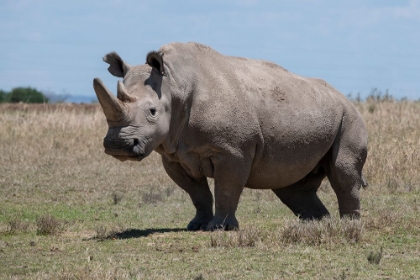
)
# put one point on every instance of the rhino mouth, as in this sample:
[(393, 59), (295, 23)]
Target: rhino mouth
[(136, 150)]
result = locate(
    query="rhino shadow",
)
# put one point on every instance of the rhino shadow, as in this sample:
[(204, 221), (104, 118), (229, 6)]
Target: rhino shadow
[(134, 233), (137, 233)]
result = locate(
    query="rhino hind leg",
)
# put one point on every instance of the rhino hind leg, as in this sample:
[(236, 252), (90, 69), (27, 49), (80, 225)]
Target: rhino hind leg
[(302, 199), (346, 161), (346, 182)]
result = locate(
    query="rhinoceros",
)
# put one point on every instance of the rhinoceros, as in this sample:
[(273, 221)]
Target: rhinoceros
[(244, 122)]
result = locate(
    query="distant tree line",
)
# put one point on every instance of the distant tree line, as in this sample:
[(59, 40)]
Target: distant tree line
[(23, 94)]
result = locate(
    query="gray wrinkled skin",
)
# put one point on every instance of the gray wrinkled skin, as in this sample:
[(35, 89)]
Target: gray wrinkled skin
[(243, 122)]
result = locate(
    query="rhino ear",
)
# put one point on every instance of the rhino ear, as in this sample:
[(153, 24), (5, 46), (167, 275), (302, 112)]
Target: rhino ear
[(117, 66), (155, 60)]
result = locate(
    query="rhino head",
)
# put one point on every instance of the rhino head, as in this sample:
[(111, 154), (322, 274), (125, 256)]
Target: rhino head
[(139, 116)]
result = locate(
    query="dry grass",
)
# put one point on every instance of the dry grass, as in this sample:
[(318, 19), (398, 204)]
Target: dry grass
[(325, 232), (248, 237), (48, 225), (394, 142), (17, 225), (60, 195)]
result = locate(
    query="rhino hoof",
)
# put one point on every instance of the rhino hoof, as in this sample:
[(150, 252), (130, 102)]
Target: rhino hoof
[(194, 226), (199, 223), (225, 225)]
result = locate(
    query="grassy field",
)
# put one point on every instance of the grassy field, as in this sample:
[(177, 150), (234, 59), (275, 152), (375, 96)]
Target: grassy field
[(68, 211)]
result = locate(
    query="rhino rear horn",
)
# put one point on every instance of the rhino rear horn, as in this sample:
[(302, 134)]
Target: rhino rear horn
[(123, 95), (112, 107)]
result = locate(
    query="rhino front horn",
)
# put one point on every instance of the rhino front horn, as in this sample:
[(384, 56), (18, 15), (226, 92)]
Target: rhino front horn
[(112, 107)]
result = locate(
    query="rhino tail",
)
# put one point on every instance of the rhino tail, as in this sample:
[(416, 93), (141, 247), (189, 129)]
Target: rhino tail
[(364, 182)]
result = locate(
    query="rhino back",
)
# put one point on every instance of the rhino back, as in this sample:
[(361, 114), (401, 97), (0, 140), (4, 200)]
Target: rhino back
[(298, 117)]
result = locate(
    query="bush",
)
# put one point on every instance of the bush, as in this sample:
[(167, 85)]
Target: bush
[(26, 95), (48, 225), (3, 96)]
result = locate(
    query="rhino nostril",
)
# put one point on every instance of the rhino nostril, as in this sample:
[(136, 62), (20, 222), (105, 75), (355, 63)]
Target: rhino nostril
[(137, 149)]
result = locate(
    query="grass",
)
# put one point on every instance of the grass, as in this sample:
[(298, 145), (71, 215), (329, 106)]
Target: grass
[(48, 225), (68, 211)]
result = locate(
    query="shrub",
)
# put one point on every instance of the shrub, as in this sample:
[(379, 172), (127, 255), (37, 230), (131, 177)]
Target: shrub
[(3, 96), (26, 95), (47, 225), (375, 257)]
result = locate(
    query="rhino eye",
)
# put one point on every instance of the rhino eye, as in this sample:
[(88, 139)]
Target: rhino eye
[(152, 111)]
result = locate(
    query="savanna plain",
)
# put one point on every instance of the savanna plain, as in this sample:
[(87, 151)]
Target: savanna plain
[(68, 211)]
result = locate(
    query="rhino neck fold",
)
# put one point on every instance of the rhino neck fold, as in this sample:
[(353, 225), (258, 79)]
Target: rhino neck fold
[(180, 116), (180, 90)]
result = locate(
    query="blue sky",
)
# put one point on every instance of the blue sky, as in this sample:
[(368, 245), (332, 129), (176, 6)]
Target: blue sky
[(57, 46)]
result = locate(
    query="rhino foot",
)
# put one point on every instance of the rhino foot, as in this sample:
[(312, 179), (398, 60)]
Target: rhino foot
[(225, 224), (198, 224)]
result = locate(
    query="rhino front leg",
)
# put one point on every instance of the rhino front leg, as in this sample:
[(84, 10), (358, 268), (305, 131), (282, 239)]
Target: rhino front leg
[(229, 179), (199, 192)]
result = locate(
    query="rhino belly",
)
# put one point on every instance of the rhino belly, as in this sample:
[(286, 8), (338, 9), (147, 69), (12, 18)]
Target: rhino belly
[(271, 175), (283, 163)]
